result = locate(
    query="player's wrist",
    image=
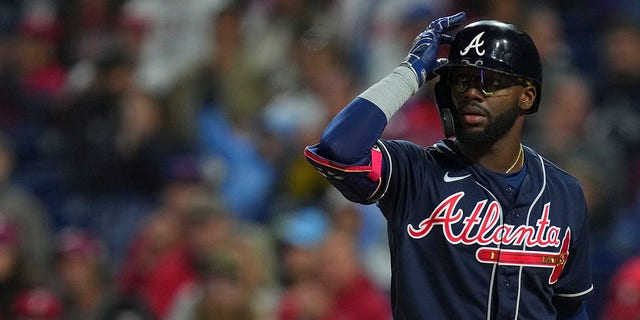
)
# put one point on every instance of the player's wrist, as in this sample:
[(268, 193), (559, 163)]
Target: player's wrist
[(417, 66)]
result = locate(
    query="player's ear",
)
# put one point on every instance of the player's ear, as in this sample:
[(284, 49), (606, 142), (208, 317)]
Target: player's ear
[(527, 97)]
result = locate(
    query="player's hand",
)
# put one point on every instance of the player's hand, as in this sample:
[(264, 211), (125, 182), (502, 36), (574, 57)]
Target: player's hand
[(422, 55)]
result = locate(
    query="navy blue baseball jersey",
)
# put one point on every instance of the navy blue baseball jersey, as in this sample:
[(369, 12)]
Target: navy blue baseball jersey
[(469, 243)]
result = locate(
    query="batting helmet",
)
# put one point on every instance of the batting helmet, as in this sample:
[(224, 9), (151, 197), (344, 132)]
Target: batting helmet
[(491, 45)]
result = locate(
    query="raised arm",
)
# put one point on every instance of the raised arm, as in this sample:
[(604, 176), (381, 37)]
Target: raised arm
[(344, 154)]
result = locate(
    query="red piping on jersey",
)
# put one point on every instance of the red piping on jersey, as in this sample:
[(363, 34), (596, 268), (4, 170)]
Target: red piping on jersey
[(374, 169)]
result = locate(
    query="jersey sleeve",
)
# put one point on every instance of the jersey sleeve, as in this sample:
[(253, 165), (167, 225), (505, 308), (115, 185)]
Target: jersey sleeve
[(345, 155), (359, 182)]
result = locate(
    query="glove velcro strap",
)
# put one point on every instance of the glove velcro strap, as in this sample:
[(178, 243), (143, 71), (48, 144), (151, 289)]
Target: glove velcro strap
[(358, 183), (417, 66)]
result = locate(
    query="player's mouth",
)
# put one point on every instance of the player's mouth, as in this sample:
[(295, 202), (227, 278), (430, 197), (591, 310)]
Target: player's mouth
[(471, 115)]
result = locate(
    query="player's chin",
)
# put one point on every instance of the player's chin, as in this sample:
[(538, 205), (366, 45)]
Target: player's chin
[(472, 135)]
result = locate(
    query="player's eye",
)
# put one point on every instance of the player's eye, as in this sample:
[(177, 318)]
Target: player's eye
[(462, 82), (484, 80), (493, 83)]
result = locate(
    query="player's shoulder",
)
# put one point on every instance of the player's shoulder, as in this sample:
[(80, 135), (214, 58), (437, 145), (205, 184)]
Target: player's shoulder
[(555, 173), (553, 170)]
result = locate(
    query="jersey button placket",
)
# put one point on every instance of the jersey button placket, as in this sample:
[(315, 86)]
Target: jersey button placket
[(507, 293)]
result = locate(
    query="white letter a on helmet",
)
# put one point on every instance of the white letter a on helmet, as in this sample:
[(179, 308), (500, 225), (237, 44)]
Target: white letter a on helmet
[(475, 43)]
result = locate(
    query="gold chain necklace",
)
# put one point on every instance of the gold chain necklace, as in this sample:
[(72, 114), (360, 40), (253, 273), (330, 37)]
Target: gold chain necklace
[(517, 160)]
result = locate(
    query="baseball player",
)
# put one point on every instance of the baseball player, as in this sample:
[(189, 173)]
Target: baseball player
[(480, 226)]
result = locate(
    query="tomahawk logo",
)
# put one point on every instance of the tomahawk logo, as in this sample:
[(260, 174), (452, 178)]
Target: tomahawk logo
[(528, 258), (475, 43)]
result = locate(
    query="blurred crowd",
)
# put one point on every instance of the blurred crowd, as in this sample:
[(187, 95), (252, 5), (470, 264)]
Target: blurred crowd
[(151, 160)]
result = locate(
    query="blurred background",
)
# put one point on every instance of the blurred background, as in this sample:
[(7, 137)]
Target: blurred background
[(151, 160)]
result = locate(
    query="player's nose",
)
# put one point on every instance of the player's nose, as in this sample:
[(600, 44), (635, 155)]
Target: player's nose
[(473, 92)]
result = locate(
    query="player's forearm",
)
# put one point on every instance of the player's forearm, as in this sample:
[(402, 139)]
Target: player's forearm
[(350, 135)]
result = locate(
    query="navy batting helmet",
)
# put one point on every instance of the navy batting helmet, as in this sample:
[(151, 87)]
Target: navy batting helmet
[(491, 45)]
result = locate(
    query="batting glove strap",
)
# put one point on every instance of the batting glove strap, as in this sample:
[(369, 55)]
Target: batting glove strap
[(358, 183), (417, 66)]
